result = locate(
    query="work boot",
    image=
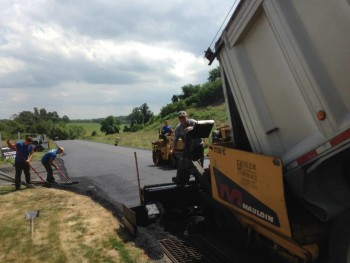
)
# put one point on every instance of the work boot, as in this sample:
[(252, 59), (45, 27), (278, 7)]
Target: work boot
[(175, 180), (28, 179), (178, 181), (51, 181)]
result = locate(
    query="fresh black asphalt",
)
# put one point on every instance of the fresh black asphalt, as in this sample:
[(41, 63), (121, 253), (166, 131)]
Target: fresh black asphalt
[(112, 169)]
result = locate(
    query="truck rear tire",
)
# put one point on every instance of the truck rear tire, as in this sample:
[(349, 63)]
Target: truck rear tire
[(339, 243)]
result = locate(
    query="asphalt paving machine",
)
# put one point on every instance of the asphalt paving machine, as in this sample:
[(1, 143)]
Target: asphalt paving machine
[(283, 181)]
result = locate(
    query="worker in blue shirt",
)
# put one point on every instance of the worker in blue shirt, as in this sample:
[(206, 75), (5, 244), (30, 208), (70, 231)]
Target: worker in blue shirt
[(166, 131), (47, 161), (24, 154)]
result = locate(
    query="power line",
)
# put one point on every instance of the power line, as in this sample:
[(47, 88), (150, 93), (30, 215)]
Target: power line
[(233, 5)]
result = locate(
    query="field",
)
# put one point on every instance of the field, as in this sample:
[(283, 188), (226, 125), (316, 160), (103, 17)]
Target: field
[(143, 139), (89, 127)]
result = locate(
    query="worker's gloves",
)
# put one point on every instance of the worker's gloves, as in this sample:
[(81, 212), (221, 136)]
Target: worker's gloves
[(190, 128)]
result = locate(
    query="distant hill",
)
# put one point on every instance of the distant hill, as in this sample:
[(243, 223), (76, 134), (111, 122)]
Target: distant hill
[(216, 113)]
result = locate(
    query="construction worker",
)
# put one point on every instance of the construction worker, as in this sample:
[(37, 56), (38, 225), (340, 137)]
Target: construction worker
[(47, 161), (193, 148), (24, 154), (166, 131)]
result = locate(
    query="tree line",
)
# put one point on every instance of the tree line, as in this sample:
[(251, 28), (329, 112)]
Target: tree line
[(203, 95), (41, 121)]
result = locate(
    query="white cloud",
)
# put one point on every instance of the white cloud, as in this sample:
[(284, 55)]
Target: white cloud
[(10, 65), (87, 59)]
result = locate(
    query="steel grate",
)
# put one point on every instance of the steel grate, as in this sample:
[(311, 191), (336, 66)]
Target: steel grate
[(181, 251)]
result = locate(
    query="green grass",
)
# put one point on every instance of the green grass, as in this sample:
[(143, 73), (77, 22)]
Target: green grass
[(143, 139), (70, 228), (89, 127), (216, 113)]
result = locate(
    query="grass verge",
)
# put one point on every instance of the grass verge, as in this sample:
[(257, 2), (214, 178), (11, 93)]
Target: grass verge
[(70, 228)]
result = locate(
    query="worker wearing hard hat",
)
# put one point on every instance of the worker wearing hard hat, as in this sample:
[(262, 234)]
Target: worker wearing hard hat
[(47, 161)]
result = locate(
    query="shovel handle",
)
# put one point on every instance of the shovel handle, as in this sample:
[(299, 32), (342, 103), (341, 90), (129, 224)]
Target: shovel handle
[(61, 173)]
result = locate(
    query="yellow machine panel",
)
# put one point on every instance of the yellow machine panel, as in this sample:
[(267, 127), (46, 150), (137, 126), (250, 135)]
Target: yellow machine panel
[(250, 184)]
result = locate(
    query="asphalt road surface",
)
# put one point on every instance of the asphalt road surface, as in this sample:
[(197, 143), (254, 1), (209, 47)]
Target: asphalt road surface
[(112, 169)]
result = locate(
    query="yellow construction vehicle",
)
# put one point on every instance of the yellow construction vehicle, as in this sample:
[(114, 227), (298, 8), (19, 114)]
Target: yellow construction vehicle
[(161, 150), (222, 134)]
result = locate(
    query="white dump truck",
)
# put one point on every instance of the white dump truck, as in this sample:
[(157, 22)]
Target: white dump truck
[(286, 174)]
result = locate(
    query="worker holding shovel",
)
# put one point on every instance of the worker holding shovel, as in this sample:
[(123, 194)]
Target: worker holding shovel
[(24, 153), (47, 161)]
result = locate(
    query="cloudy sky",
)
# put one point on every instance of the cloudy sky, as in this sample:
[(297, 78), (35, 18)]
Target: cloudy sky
[(94, 58)]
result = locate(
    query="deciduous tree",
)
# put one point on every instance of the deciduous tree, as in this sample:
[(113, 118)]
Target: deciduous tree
[(140, 115), (109, 125)]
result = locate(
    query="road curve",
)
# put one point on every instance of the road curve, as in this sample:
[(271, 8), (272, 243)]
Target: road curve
[(112, 169)]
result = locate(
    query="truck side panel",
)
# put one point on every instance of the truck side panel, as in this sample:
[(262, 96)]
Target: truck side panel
[(327, 51), (278, 77)]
